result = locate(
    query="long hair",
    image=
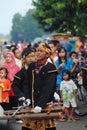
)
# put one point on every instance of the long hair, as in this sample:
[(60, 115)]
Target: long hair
[(65, 57)]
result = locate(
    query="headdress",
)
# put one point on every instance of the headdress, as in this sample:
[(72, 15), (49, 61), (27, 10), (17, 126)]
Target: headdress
[(47, 49)]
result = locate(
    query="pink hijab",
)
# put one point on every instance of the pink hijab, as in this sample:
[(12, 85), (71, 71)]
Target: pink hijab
[(11, 66)]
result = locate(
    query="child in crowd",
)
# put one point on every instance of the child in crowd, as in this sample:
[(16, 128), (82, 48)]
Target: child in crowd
[(74, 57), (68, 94), (5, 87)]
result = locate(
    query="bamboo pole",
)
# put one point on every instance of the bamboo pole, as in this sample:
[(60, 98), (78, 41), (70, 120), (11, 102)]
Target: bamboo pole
[(38, 116), (29, 110)]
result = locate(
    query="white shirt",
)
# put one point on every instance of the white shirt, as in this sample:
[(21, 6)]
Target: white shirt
[(67, 88)]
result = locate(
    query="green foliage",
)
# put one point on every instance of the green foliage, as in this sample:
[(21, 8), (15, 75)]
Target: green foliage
[(51, 15), (62, 15), (17, 29), (25, 28)]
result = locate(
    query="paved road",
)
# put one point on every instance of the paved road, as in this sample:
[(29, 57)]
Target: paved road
[(77, 125)]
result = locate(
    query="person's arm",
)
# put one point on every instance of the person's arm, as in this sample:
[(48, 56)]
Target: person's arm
[(61, 95), (74, 89), (60, 66), (74, 93), (73, 66), (61, 92), (17, 84)]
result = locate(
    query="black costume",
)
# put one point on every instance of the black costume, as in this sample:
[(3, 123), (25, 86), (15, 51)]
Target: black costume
[(42, 82), (44, 78), (20, 84), (38, 85)]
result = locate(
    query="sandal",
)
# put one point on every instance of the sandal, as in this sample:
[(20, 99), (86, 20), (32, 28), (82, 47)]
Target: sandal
[(61, 120), (76, 118)]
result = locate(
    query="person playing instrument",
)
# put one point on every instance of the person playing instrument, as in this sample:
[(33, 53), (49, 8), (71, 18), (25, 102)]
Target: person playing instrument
[(41, 88), (20, 78), (20, 84)]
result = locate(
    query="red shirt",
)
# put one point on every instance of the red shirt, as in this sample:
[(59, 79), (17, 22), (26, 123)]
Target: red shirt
[(5, 87)]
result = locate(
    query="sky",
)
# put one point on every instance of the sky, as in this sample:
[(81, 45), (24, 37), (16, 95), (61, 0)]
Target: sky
[(7, 10)]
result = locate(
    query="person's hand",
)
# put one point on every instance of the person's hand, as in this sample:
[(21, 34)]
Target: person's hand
[(21, 99), (76, 61), (56, 97), (61, 65), (37, 109), (27, 102)]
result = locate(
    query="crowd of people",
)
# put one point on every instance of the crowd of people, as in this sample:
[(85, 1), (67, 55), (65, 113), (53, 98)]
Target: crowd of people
[(38, 74)]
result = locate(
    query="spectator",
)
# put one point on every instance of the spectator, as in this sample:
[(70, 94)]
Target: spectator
[(63, 63), (5, 87), (17, 54), (68, 94)]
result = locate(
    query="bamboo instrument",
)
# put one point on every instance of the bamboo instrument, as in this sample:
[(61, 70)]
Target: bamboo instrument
[(48, 113), (29, 110), (33, 116)]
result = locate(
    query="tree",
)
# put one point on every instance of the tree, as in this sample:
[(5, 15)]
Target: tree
[(80, 18), (17, 30), (25, 28), (31, 28), (62, 15)]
